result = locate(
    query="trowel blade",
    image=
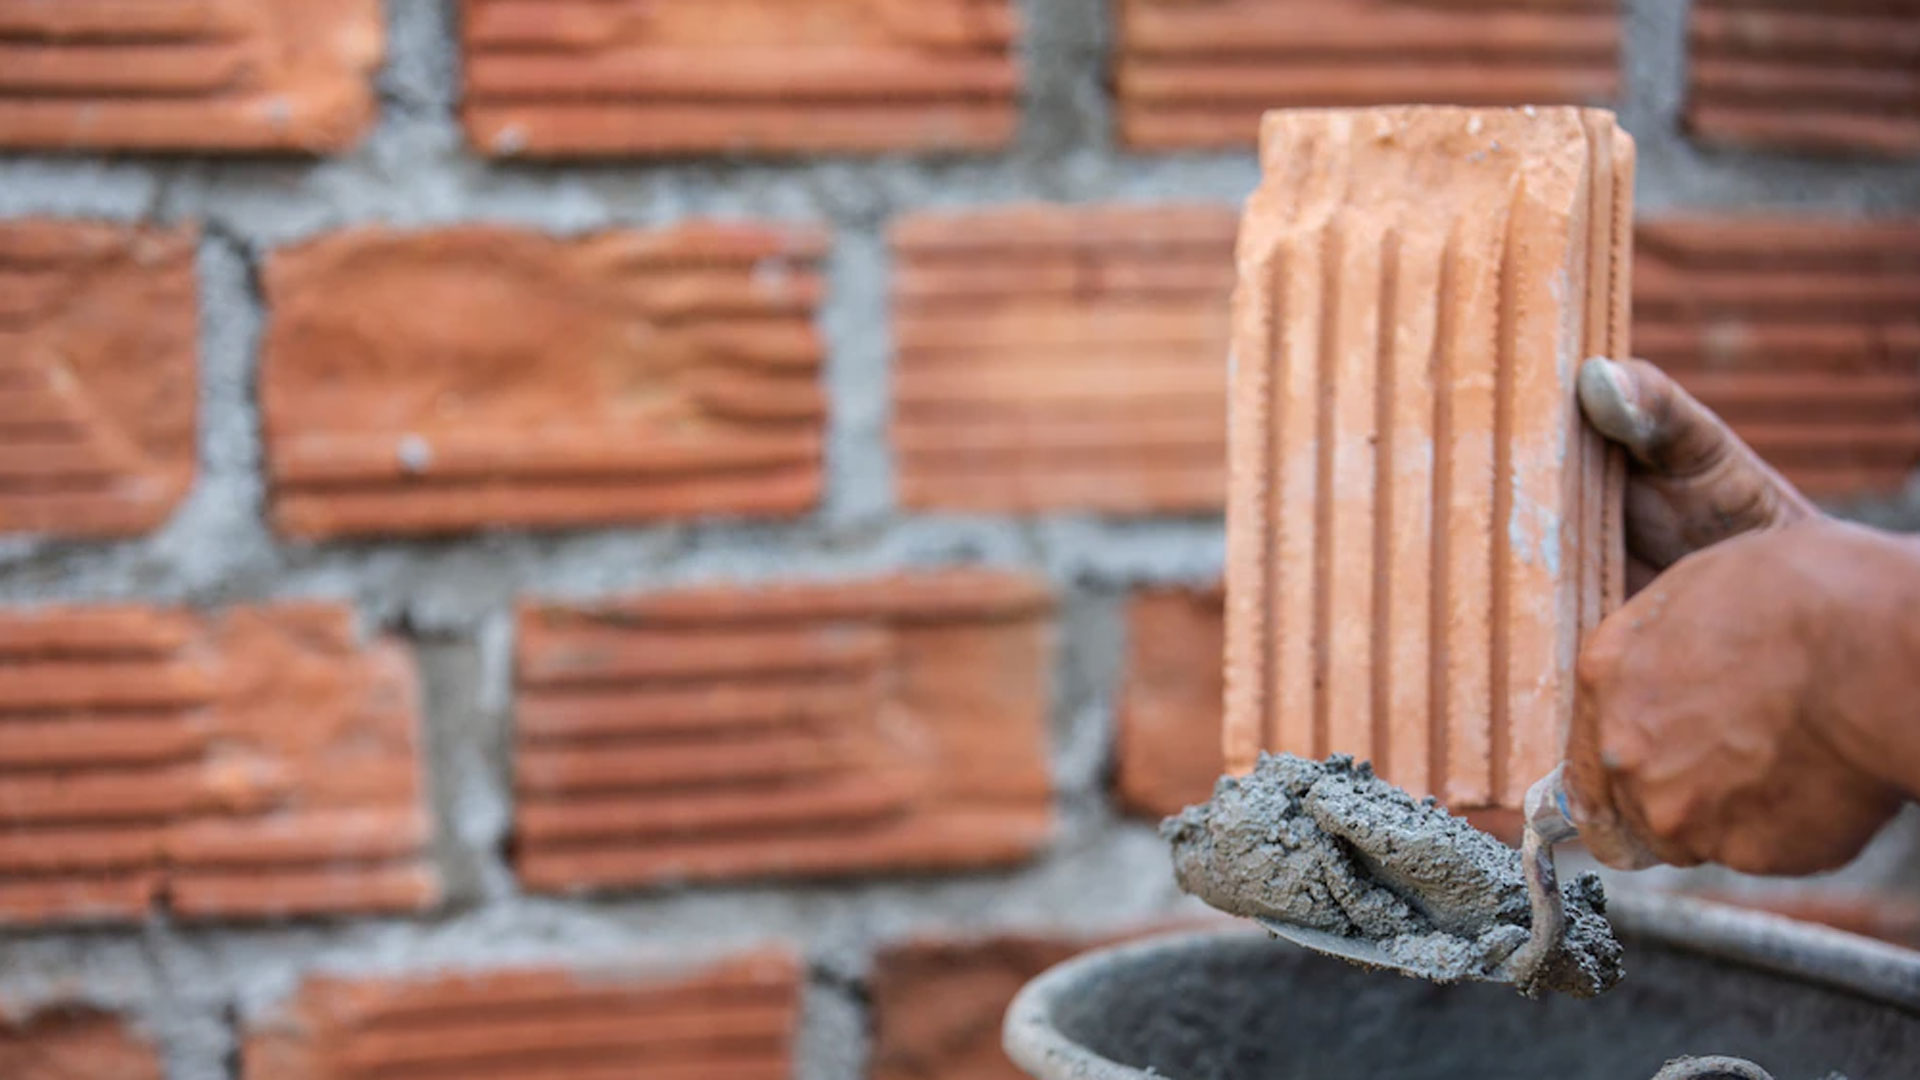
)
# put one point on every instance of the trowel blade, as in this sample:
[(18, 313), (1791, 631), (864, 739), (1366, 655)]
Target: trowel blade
[(1366, 954)]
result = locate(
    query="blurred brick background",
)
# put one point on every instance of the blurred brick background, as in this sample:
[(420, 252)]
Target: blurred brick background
[(681, 538)]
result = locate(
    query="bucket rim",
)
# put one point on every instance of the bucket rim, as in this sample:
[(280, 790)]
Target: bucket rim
[(1877, 970)]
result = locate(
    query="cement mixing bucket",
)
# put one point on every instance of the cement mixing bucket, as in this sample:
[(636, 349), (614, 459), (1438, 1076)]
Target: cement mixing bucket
[(1703, 979)]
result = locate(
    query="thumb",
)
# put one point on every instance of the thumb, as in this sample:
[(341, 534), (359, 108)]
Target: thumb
[(1707, 485)]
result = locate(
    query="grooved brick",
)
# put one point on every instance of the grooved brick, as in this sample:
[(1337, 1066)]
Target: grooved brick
[(1168, 747), (98, 352), (258, 762), (733, 1020), (939, 1001), (938, 1004), (1198, 73), (1803, 333), (1838, 76), (74, 1043), (431, 382), (200, 76), (1061, 358), (1420, 527), (803, 730), (578, 78)]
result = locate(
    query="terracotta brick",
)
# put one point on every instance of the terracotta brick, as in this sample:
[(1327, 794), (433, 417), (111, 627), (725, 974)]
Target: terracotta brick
[(74, 1044), (938, 1004), (1804, 333), (577, 78), (256, 762), (734, 1020), (807, 730), (201, 76), (98, 350), (1836, 76), (1420, 527), (1198, 73), (1169, 740), (430, 382), (1062, 358)]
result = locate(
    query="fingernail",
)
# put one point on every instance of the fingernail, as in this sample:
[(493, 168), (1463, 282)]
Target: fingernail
[(1607, 396)]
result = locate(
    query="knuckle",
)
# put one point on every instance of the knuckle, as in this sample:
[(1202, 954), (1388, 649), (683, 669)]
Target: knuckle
[(1599, 659)]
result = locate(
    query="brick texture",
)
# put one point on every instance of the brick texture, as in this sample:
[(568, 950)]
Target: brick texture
[(1198, 73), (1420, 526), (1833, 76), (1803, 333), (430, 382), (888, 725), (938, 1005), (1169, 740), (732, 1021), (200, 76), (649, 77), (98, 351), (1062, 358), (74, 1044), (259, 762)]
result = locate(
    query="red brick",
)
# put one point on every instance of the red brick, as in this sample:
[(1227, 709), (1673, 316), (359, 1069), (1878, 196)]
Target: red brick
[(1837, 76), (938, 1004), (1062, 358), (74, 1044), (253, 763), (667, 77), (1420, 528), (735, 1020), (98, 350), (1198, 73), (1169, 741), (1804, 333), (806, 730), (430, 382), (188, 75)]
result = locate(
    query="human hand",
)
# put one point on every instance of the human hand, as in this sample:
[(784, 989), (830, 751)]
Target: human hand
[(1691, 482), (1754, 705), (1746, 706)]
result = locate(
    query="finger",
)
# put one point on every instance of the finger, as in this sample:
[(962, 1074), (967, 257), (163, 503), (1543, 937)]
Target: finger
[(1640, 574), (1589, 778), (1697, 483), (1636, 405)]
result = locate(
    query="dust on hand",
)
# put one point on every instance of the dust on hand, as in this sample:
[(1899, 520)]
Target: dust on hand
[(1330, 847)]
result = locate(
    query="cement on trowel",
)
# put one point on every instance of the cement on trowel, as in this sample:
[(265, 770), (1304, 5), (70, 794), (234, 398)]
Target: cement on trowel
[(1328, 846)]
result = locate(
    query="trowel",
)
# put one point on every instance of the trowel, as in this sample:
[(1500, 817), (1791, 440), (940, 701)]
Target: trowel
[(1548, 822)]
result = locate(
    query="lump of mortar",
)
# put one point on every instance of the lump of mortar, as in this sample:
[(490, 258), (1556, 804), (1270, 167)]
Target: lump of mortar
[(1329, 846)]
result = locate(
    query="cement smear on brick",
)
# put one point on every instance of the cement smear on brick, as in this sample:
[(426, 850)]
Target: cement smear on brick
[(1328, 846)]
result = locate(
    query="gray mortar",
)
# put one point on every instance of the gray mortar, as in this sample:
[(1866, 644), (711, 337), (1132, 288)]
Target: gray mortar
[(1328, 846), (452, 597)]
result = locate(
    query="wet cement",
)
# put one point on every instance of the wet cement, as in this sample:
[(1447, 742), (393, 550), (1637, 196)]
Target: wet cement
[(1328, 846)]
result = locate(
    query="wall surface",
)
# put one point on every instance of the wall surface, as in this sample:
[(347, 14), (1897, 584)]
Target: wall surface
[(1045, 711)]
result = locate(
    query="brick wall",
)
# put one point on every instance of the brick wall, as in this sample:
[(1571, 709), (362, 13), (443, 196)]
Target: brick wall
[(683, 538)]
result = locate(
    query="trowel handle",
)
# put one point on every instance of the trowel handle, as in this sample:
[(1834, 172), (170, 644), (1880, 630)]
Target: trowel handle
[(1548, 823), (1547, 810)]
